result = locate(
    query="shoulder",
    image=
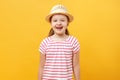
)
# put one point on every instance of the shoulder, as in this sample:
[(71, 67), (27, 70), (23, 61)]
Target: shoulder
[(45, 41), (73, 38)]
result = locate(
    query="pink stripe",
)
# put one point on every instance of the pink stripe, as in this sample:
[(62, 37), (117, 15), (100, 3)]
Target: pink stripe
[(56, 70), (59, 57), (52, 77)]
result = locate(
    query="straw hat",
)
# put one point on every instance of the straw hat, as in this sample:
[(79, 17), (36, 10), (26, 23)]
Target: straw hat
[(59, 9)]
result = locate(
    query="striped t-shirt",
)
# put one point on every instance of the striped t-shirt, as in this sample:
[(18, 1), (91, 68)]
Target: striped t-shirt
[(58, 64)]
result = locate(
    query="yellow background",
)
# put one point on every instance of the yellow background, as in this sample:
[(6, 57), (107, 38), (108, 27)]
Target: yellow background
[(96, 25)]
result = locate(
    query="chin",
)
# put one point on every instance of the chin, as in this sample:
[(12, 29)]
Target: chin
[(60, 33)]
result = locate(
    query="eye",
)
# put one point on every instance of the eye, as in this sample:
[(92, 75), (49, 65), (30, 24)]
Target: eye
[(62, 20), (55, 20)]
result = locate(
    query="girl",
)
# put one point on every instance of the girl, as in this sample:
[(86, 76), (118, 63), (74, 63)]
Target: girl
[(59, 51)]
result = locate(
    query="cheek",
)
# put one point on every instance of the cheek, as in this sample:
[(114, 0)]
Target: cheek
[(52, 24), (66, 24)]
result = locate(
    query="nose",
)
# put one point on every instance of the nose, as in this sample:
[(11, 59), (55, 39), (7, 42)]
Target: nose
[(58, 22)]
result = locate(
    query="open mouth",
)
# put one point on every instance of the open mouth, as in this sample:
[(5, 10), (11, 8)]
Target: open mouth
[(59, 28)]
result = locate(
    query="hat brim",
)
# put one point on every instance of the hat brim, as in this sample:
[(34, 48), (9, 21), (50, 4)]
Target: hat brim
[(66, 14)]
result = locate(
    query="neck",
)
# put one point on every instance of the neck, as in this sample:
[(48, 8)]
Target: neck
[(60, 36)]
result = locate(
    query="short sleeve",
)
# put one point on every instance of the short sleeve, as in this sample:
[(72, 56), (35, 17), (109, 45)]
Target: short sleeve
[(42, 48), (76, 46)]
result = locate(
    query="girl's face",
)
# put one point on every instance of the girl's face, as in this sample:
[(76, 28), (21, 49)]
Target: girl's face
[(59, 24)]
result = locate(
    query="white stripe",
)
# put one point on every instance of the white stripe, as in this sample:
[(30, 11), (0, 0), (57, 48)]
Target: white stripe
[(69, 69), (58, 67)]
